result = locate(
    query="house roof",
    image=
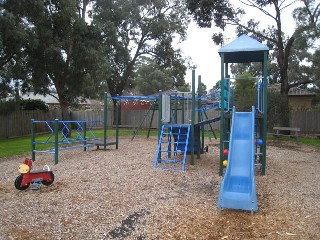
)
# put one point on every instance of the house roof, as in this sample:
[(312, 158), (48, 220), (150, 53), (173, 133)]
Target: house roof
[(243, 49), (47, 99), (295, 91), (300, 92)]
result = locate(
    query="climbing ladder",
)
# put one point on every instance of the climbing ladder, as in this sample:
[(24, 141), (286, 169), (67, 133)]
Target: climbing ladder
[(173, 146)]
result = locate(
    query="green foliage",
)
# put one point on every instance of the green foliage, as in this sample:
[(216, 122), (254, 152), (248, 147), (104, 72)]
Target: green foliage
[(245, 92), (278, 110), (207, 11), (185, 88), (316, 102), (61, 52), (132, 30), (290, 56), (203, 89), (9, 106), (13, 36), (150, 79), (36, 104)]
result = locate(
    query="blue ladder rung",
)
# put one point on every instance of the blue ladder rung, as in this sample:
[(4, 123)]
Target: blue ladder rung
[(172, 161), (172, 134)]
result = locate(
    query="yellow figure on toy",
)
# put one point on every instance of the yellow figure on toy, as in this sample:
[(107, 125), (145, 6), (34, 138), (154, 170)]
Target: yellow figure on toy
[(24, 168)]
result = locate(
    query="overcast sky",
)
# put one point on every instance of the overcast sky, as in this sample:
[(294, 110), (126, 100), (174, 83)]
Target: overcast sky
[(204, 53)]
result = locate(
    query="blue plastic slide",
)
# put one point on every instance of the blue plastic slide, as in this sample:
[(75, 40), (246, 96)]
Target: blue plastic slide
[(238, 189)]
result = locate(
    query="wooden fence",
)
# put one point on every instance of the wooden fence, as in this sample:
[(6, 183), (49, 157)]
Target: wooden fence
[(135, 118), (307, 121), (19, 123)]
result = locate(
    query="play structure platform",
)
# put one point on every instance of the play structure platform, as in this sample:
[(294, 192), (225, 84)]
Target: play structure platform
[(175, 143), (238, 189)]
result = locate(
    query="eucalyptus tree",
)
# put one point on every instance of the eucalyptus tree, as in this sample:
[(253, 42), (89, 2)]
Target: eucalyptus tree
[(62, 50), (284, 48), (13, 35), (141, 28), (150, 79)]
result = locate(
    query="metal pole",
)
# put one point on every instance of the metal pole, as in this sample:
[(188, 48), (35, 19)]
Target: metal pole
[(85, 136), (117, 122), (159, 122), (192, 116), (200, 148), (182, 109), (56, 141), (159, 115), (222, 120), (152, 115), (33, 146), (105, 121), (264, 119)]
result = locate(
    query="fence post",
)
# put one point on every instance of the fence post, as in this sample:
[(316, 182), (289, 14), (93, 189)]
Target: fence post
[(56, 141), (33, 146)]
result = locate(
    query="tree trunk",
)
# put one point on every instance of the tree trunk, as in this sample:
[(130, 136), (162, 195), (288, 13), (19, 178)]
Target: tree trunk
[(65, 115), (283, 63), (65, 112), (284, 90), (115, 112)]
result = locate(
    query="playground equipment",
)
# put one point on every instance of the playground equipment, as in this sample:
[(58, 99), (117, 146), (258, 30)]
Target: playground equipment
[(239, 134), (153, 106), (22, 182), (60, 139), (179, 136), (238, 188)]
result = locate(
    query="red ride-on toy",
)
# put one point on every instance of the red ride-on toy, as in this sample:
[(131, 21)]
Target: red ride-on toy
[(22, 182)]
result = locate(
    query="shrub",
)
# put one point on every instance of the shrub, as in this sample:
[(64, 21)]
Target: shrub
[(278, 110), (9, 106), (33, 105)]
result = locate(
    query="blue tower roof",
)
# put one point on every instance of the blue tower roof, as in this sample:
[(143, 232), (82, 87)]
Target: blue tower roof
[(243, 49)]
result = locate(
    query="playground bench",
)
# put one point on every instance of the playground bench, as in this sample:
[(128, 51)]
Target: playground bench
[(293, 132)]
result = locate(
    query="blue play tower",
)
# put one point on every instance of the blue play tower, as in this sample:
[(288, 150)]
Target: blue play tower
[(241, 131)]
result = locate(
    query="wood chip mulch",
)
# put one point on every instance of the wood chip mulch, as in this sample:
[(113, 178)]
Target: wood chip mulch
[(117, 194)]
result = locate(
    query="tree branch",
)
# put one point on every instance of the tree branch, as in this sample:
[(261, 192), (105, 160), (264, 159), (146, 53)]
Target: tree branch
[(253, 31), (288, 5), (260, 8)]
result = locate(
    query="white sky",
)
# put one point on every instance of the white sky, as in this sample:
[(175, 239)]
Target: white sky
[(204, 53)]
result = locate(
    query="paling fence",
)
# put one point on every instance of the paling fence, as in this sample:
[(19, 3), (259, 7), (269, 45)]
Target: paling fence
[(19, 123), (307, 121), (138, 118)]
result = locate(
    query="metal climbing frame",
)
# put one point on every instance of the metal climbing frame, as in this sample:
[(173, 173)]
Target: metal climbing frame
[(173, 146), (59, 138)]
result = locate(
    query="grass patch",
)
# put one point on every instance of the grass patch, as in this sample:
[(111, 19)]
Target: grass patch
[(16, 146), (21, 145), (305, 141)]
